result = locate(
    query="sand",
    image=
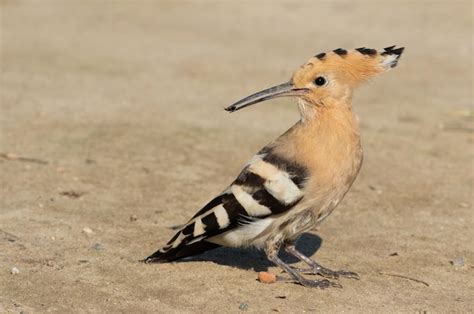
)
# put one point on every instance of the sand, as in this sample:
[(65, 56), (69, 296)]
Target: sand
[(113, 132)]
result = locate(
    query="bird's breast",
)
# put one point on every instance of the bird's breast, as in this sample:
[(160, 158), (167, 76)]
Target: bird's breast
[(328, 146)]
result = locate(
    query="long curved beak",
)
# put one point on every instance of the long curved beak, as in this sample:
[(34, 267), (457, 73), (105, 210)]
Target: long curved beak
[(282, 90)]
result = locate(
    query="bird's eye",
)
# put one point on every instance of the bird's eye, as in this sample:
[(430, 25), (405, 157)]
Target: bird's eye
[(320, 81)]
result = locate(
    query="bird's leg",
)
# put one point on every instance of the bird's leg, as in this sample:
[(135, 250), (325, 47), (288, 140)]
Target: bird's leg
[(272, 250), (315, 268)]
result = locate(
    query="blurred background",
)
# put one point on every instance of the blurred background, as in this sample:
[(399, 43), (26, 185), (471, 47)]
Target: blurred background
[(112, 130)]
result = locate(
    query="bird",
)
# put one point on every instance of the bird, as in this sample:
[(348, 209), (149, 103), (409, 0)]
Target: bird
[(292, 184)]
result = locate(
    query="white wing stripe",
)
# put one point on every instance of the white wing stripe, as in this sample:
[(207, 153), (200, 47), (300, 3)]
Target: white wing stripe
[(221, 216), (283, 189), (252, 207), (198, 227), (277, 182), (178, 240)]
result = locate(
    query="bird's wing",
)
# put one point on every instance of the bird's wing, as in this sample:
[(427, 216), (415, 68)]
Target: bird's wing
[(268, 185)]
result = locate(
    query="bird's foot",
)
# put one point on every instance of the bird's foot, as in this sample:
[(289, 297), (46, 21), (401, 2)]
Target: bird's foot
[(328, 273), (315, 268), (321, 284)]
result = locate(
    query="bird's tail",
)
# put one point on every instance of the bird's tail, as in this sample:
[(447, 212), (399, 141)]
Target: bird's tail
[(166, 254), (191, 237)]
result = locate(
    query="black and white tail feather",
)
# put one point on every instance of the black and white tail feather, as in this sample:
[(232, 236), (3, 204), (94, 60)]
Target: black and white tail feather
[(268, 186)]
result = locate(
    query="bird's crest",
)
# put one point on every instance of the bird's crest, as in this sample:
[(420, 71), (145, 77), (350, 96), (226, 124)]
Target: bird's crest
[(350, 66)]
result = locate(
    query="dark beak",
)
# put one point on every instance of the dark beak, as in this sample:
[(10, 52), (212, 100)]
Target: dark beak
[(282, 90)]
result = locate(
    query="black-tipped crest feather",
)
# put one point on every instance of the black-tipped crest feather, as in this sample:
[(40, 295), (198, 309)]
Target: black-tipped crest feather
[(340, 51)]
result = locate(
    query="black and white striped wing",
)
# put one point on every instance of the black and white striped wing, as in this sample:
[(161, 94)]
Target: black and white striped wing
[(269, 185)]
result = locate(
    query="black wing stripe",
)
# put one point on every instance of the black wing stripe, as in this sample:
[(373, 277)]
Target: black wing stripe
[(234, 209), (215, 202), (266, 199), (259, 193), (298, 173), (210, 221), (170, 242), (250, 179), (211, 225), (189, 229)]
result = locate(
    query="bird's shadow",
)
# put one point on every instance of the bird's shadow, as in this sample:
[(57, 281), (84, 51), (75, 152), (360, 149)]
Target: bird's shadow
[(308, 244)]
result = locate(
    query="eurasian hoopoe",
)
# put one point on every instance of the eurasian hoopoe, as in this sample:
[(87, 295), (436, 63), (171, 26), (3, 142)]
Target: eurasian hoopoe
[(295, 182)]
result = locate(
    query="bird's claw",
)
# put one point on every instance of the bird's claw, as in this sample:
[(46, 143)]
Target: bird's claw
[(321, 284), (327, 273), (337, 274)]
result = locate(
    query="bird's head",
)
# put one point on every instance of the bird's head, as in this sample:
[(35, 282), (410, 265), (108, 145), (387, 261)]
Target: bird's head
[(329, 78)]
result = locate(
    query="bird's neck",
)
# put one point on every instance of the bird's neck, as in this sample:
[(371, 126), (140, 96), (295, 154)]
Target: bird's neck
[(326, 141), (329, 130), (312, 112), (331, 116)]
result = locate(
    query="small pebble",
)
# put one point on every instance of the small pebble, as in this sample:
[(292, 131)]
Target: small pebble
[(243, 306), (394, 254), (72, 194), (458, 262), (265, 277), (14, 271), (375, 189), (98, 247), (87, 230), (133, 218)]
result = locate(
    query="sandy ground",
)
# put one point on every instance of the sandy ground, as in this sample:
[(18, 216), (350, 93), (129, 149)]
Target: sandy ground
[(119, 105)]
